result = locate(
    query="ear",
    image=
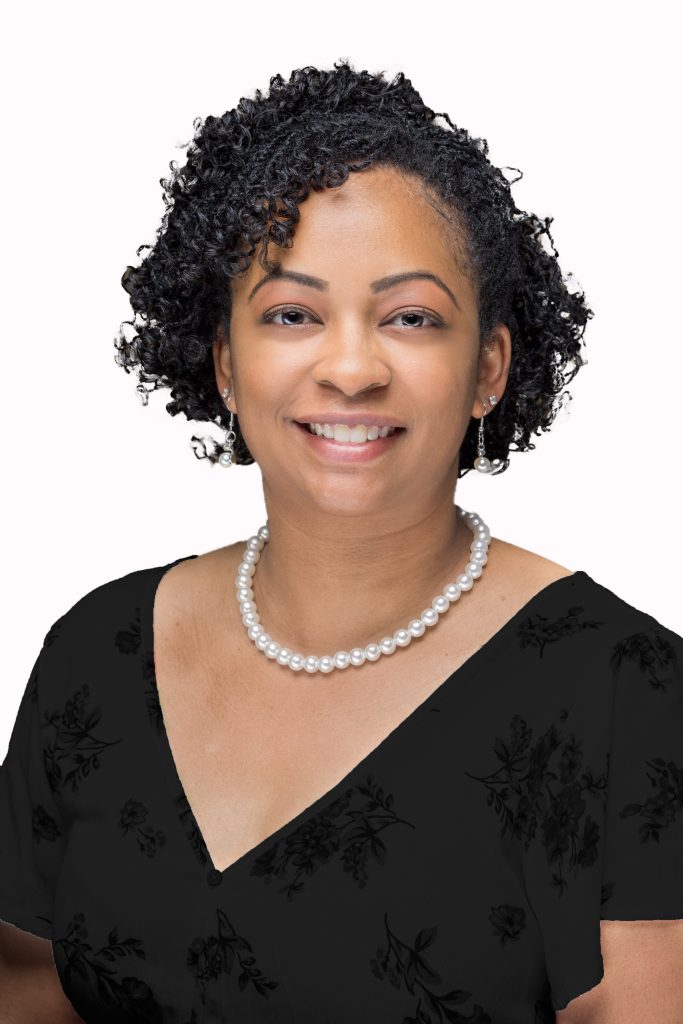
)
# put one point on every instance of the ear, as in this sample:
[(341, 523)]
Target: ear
[(493, 368), (222, 361)]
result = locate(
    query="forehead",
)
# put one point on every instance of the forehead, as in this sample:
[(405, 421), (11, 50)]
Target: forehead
[(379, 221)]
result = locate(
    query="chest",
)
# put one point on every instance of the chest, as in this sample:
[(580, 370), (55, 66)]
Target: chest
[(255, 744)]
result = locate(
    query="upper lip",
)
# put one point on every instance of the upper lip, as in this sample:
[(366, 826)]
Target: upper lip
[(351, 419)]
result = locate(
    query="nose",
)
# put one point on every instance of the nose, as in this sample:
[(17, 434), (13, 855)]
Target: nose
[(352, 360)]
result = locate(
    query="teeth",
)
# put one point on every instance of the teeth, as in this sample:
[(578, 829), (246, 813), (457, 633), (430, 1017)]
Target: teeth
[(352, 435)]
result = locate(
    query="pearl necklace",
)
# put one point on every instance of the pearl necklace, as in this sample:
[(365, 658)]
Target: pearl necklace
[(359, 655)]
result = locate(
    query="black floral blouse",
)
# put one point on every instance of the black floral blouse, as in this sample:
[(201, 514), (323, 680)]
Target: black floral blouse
[(458, 873)]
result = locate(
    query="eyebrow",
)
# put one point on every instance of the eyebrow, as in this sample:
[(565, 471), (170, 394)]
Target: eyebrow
[(381, 285)]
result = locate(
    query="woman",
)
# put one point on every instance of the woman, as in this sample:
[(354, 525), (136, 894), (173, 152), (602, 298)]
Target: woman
[(410, 771)]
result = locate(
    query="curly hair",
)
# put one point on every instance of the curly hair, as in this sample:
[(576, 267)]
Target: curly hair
[(246, 173)]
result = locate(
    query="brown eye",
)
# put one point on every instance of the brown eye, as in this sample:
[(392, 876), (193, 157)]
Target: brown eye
[(269, 317), (421, 314)]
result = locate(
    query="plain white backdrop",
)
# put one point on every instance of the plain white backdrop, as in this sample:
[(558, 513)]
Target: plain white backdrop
[(96, 102)]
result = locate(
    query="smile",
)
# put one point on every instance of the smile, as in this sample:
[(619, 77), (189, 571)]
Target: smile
[(349, 450)]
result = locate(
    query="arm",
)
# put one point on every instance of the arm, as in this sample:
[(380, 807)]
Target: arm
[(30, 989), (643, 976)]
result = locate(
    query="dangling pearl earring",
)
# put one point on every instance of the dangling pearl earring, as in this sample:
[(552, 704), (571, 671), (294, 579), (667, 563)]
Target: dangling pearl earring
[(481, 463), (226, 456)]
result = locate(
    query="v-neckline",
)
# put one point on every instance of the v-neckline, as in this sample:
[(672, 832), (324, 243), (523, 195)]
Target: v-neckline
[(170, 769)]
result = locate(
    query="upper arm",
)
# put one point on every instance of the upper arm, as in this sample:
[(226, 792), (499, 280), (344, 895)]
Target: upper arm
[(29, 983), (33, 829), (643, 978), (22, 949)]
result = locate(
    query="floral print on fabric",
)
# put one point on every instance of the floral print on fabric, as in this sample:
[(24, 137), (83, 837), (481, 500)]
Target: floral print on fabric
[(102, 977), (346, 831), (226, 953), (654, 656), (541, 788), (133, 820), (77, 746), (406, 964)]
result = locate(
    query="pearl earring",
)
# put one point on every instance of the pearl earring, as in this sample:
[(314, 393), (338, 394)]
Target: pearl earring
[(481, 463), (226, 456)]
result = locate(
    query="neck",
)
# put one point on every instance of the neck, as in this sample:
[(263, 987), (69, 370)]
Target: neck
[(324, 588)]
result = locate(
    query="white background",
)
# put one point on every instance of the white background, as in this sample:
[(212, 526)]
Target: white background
[(96, 99)]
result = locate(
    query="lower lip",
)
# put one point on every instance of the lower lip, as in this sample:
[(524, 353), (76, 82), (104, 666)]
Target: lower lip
[(341, 451)]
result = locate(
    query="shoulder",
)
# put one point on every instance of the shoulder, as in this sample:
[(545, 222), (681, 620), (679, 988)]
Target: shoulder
[(531, 572), (115, 600), (593, 639), (107, 621), (189, 586)]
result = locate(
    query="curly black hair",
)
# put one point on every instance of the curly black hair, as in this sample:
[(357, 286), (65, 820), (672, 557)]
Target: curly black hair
[(246, 173)]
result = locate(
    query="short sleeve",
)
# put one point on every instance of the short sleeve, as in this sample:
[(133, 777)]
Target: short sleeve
[(32, 828), (610, 845), (642, 871)]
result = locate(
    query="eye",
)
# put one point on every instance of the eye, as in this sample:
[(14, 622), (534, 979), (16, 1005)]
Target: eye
[(269, 317), (421, 314)]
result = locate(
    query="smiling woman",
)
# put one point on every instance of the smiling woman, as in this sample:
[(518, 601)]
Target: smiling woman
[(315, 138), (410, 771)]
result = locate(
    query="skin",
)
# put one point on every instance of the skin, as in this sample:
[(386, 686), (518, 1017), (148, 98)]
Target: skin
[(30, 989), (353, 350), (643, 982)]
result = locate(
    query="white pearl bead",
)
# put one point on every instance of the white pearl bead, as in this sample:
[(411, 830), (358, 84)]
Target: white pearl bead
[(283, 656), (373, 652), (402, 637), (262, 641), (357, 656), (452, 591), (430, 617), (271, 649), (296, 662), (482, 464), (246, 567), (250, 618), (254, 631), (263, 533), (479, 545), (479, 556), (243, 580), (251, 556), (247, 606), (474, 569), (326, 664), (255, 542), (441, 604), (245, 594), (311, 663), (342, 659), (387, 645), (416, 627), (225, 458), (465, 581)]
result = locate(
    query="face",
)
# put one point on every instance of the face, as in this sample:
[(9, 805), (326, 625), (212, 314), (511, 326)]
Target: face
[(407, 350)]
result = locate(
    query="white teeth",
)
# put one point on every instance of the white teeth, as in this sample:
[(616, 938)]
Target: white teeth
[(352, 435)]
